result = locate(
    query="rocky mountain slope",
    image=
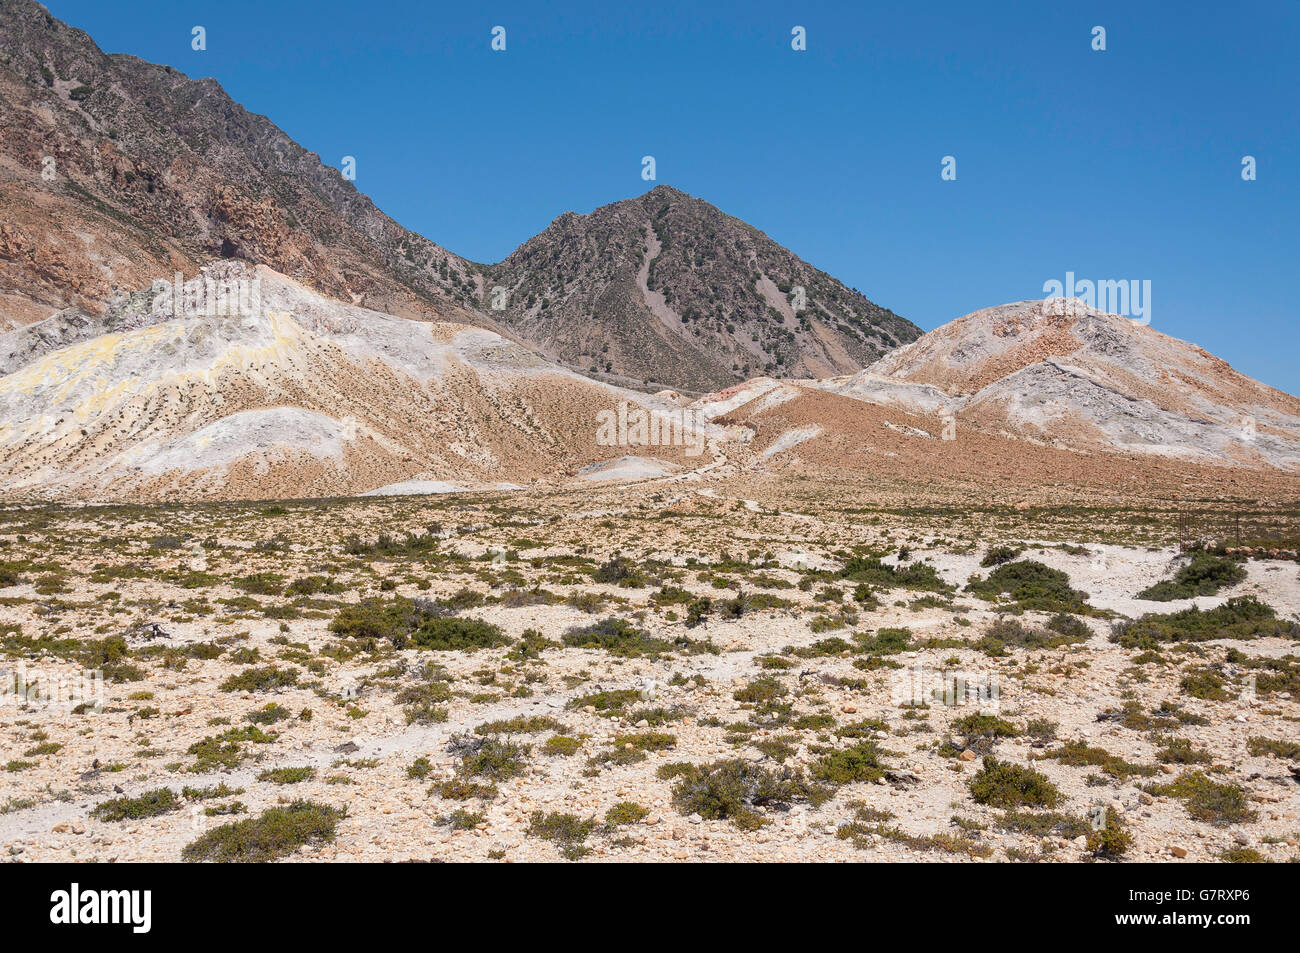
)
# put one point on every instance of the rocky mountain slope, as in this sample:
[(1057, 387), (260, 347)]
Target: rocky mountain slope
[(1075, 377), (666, 288), (115, 171), (798, 434), (303, 397)]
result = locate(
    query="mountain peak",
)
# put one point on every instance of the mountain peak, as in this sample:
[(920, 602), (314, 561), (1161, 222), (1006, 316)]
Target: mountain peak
[(667, 191), (1059, 371), (666, 289)]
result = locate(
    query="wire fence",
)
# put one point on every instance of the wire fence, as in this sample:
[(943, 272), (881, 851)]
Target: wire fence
[(1239, 529)]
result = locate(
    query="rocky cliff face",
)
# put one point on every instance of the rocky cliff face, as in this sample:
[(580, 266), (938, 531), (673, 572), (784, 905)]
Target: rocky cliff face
[(114, 172)]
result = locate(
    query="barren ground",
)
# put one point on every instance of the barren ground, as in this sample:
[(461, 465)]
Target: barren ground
[(749, 642)]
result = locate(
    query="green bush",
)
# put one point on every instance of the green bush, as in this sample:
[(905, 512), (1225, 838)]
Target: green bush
[(454, 634), (1271, 675), (287, 775), (110, 656), (226, 750), (1072, 627), (1081, 754), (521, 725), (490, 758), (464, 820), (735, 790), (260, 679), (208, 793), (998, 555), (561, 745), (1003, 632), (422, 702), (760, 690), (1206, 800), (1243, 855), (1111, 839), (392, 620), (609, 703), (1031, 585), (260, 584), (149, 804), (672, 596), (312, 585), (530, 646), (697, 611), (1203, 683), (277, 832), (619, 638), (1259, 746), (870, 570), (984, 726), (861, 762), (1043, 823), (887, 641), (1000, 784), (646, 741), (1242, 617), (566, 831), (1205, 575), (625, 812), (620, 571), (268, 714)]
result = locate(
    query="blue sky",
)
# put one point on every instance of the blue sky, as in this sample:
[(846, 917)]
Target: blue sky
[(1123, 164)]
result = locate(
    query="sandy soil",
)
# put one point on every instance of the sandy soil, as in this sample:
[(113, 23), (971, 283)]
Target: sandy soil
[(87, 574)]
